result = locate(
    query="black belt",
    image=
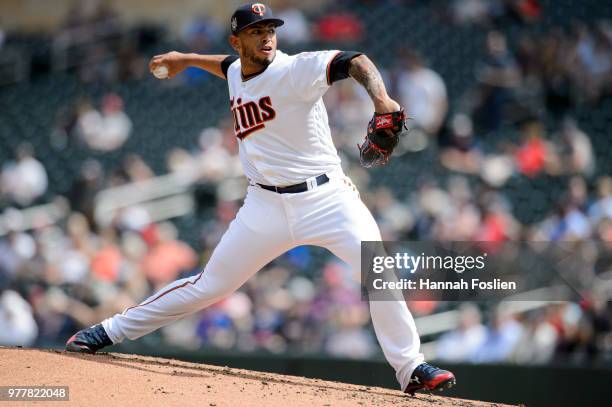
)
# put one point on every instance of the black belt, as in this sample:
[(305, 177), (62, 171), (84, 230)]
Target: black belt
[(294, 189)]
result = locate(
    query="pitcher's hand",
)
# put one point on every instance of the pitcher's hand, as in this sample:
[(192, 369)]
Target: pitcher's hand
[(176, 62)]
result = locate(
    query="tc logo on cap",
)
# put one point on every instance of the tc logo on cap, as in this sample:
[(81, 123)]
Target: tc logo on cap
[(234, 24), (258, 8)]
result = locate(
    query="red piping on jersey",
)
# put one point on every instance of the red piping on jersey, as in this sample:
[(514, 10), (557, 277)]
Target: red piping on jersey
[(329, 66), (166, 292)]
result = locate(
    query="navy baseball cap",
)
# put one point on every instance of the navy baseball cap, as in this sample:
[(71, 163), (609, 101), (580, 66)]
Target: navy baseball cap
[(250, 14)]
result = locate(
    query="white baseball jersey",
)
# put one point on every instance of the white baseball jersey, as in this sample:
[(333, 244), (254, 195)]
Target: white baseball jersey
[(281, 121)]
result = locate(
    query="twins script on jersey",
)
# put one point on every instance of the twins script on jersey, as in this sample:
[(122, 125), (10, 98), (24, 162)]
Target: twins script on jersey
[(280, 119)]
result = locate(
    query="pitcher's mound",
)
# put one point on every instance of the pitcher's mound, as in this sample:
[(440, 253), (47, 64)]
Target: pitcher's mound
[(118, 379)]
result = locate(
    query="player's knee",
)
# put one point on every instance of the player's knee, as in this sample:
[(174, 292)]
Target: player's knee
[(209, 287)]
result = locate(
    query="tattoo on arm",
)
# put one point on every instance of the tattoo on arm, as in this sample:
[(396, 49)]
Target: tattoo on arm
[(364, 72)]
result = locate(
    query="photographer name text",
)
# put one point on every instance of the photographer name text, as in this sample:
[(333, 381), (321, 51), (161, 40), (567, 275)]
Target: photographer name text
[(428, 284)]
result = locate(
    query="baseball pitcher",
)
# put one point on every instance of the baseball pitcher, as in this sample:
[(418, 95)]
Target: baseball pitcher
[(297, 193)]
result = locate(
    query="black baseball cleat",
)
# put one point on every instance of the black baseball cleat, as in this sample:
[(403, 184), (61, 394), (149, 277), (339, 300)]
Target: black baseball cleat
[(428, 377), (88, 340)]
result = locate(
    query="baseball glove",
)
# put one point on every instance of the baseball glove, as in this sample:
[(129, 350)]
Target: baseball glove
[(384, 131)]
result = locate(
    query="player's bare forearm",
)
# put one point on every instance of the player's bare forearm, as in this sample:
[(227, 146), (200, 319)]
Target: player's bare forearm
[(176, 62), (210, 63), (363, 70)]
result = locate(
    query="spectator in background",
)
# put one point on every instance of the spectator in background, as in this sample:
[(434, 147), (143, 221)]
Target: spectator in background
[(538, 342), (106, 131), (341, 314), (484, 12), (106, 262), (594, 58), (198, 33), (569, 221), (555, 58), (89, 121), (17, 248), (105, 18), (596, 321), (135, 169), (72, 252), (17, 324), (604, 38), (430, 204), (348, 338), (500, 339), (75, 17), (497, 76), (575, 149), (392, 216), (63, 134), (11, 260), (531, 155), (576, 337), (422, 92), (296, 29), (494, 224), (213, 230), (180, 162), (215, 159), (470, 11), (524, 10), (342, 26), (130, 63), (461, 149), (215, 167), (460, 344), (601, 209), (98, 65), (167, 257), (2, 35), (460, 221), (117, 124), (25, 179), (85, 187)]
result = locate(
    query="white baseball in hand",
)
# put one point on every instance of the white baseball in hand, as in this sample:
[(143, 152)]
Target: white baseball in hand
[(161, 72)]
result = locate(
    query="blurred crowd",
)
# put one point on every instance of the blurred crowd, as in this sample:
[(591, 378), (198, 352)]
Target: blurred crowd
[(568, 332), (97, 45), (56, 277)]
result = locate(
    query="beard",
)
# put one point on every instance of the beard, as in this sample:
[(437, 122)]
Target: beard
[(261, 61)]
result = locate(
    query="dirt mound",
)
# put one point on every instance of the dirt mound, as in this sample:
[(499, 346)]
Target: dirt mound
[(118, 379)]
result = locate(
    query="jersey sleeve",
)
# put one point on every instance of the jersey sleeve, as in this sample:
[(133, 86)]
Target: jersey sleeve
[(310, 73), (225, 64), (340, 65)]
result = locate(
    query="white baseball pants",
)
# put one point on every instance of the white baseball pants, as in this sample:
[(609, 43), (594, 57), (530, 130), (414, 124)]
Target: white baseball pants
[(267, 225)]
